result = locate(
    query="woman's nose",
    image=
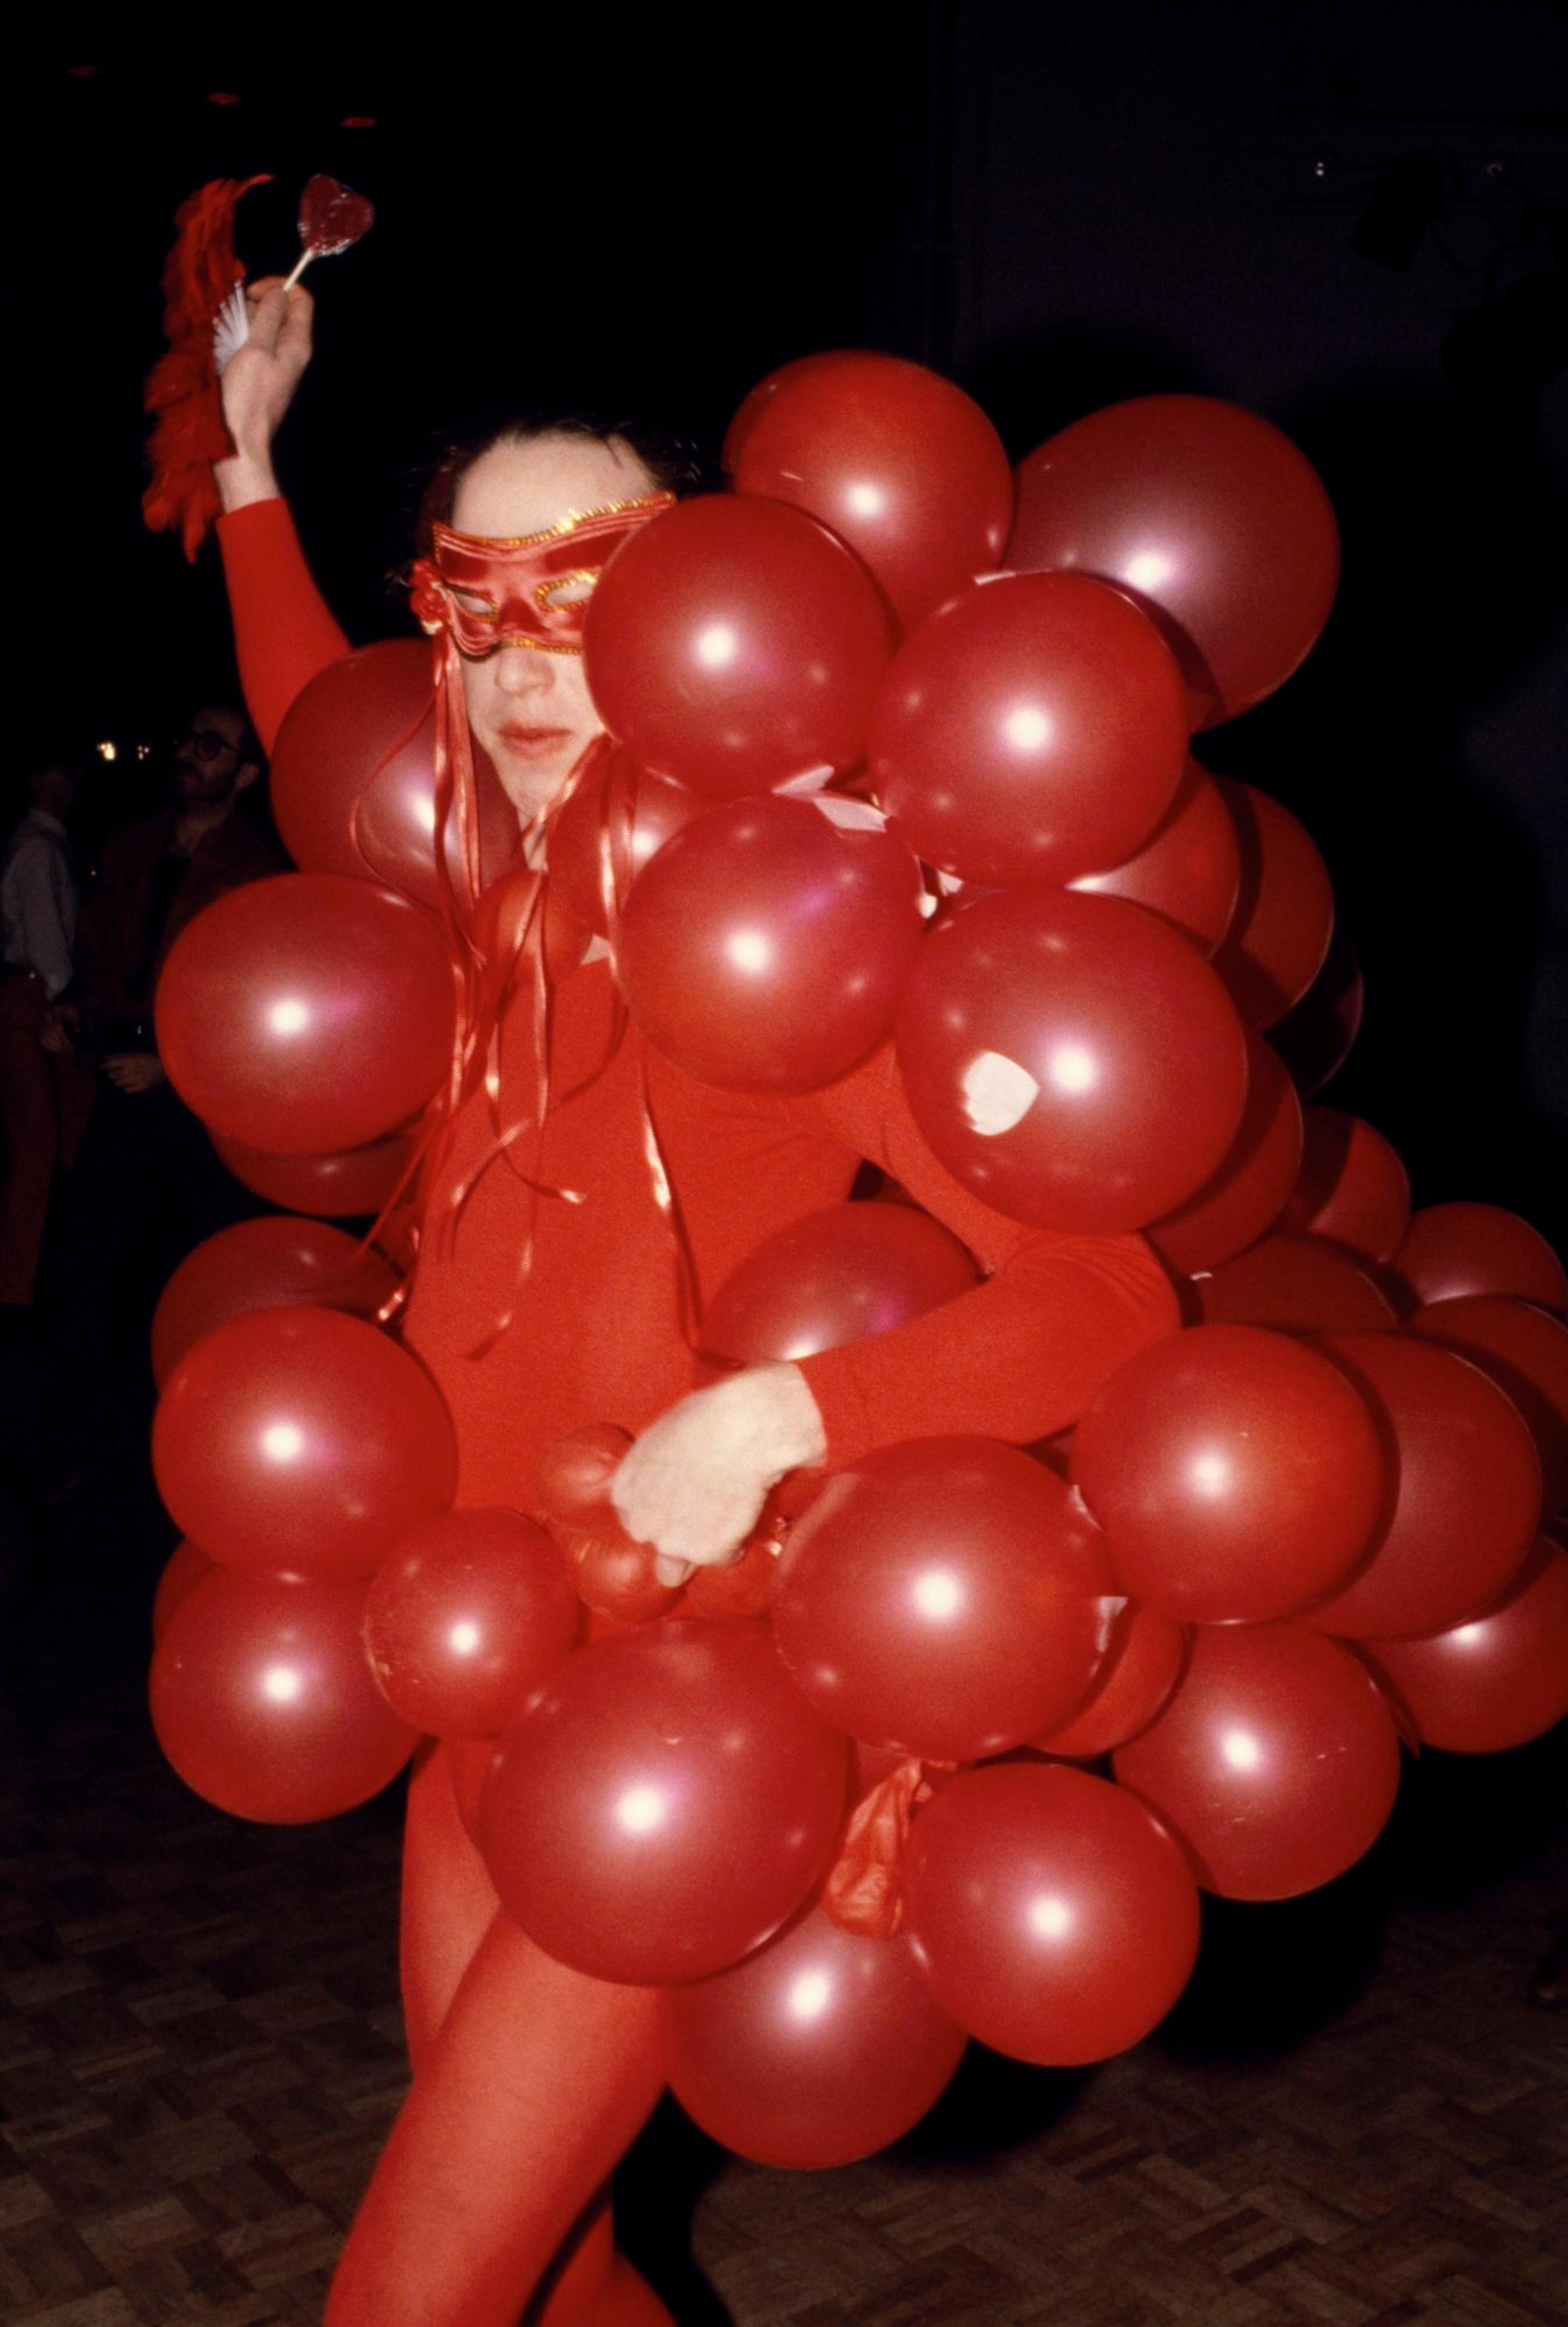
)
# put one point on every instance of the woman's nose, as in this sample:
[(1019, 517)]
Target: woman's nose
[(522, 671)]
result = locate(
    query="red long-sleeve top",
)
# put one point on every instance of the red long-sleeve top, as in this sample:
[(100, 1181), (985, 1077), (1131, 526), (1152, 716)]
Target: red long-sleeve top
[(595, 1332)]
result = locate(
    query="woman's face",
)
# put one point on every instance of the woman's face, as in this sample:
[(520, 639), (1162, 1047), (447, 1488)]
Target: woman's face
[(531, 710)]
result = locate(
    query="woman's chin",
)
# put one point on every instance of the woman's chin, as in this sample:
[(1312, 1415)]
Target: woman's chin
[(531, 780)]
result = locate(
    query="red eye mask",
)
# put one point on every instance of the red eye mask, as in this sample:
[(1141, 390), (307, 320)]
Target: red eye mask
[(532, 593)]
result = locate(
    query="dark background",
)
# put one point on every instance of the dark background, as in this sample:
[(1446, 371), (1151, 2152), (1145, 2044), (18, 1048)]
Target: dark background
[(1348, 217)]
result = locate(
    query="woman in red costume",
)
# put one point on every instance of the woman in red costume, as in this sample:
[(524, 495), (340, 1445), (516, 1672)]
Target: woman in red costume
[(530, 2078)]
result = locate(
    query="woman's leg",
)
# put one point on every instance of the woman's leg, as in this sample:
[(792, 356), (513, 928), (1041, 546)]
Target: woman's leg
[(537, 2083), (595, 2287), (448, 1904)]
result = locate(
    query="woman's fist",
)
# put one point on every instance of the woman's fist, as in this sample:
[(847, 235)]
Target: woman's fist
[(258, 386)]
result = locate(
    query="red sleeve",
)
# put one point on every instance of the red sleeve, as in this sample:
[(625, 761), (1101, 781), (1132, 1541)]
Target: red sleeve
[(1019, 1357), (284, 630)]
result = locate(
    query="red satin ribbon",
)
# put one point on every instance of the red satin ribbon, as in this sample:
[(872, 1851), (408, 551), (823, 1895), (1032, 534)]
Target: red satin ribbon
[(477, 594)]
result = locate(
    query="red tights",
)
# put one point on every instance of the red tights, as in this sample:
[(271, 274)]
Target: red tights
[(530, 2081)]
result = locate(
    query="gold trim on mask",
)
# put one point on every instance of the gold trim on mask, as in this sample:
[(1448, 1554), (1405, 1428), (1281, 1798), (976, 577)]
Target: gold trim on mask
[(546, 594), (518, 638), (567, 524)]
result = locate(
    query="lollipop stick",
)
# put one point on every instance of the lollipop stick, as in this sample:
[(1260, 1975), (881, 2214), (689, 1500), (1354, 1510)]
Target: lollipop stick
[(304, 260)]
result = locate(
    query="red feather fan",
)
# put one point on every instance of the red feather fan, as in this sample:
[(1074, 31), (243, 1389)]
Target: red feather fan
[(188, 431)]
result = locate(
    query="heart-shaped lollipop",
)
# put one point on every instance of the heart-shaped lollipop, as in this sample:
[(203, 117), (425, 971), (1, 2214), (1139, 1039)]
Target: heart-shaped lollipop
[(333, 217)]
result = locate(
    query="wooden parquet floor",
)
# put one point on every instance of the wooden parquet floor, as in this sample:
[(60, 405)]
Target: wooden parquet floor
[(1355, 2120)]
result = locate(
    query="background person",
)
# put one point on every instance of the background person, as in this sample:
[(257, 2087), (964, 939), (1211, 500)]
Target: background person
[(44, 1098), (148, 1186)]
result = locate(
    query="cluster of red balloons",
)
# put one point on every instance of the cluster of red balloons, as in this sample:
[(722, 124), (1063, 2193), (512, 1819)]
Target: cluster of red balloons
[(1014, 677), (900, 751)]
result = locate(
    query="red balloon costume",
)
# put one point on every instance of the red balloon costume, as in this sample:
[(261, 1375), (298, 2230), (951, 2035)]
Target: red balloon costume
[(632, 1174), (531, 2077)]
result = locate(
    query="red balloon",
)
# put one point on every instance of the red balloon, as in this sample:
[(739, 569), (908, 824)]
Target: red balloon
[(1033, 729), (1498, 1681), (1147, 1654), (747, 1587), (353, 770), (1526, 1353), (183, 1570), (817, 2049), (1317, 1035), (1071, 1060), (1189, 870), (620, 813), (306, 1013), (300, 1442), (1466, 1490), (1292, 1284), (1449, 1250), (1248, 1192), (835, 1276), (1353, 1190), (1236, 1474), (764, 949), (756, 400), (515, 915), (342, 1186), (1279, 935), (263, 1701), (944, 1595), (609, 1571), (353, 777), (465, 1618), (614, 1574), (1209, 517), (733, 643), (1052, 1916), (574, 1470), (1276, 1762), (265, 1263), (894, 458), (663, 1803)]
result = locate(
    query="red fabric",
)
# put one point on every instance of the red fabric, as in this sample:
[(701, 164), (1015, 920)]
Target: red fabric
[(539, 2082), (283, 632), (461, 2218)]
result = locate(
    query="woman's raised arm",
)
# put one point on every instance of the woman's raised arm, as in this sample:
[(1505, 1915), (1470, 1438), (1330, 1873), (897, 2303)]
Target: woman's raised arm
[(283, 630)]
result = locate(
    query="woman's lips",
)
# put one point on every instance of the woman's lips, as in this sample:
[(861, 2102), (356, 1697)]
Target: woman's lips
[(525, 742)]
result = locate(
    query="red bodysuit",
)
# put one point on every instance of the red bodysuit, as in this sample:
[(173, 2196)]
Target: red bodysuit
[(464, 2195)]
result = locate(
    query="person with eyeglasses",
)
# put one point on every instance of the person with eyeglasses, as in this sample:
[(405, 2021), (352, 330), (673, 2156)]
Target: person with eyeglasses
[(153, 878)]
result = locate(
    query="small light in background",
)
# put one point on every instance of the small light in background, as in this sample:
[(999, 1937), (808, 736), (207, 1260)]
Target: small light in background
[(143, 750), (106, 751), (221, 97), (358, 121)]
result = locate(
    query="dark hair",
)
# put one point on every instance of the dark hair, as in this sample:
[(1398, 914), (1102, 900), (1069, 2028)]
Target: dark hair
[(77, 760), (676, 463)]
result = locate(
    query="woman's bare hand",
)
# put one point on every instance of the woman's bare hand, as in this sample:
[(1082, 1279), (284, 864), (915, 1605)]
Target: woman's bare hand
[(258, 386), (695, 1481)]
